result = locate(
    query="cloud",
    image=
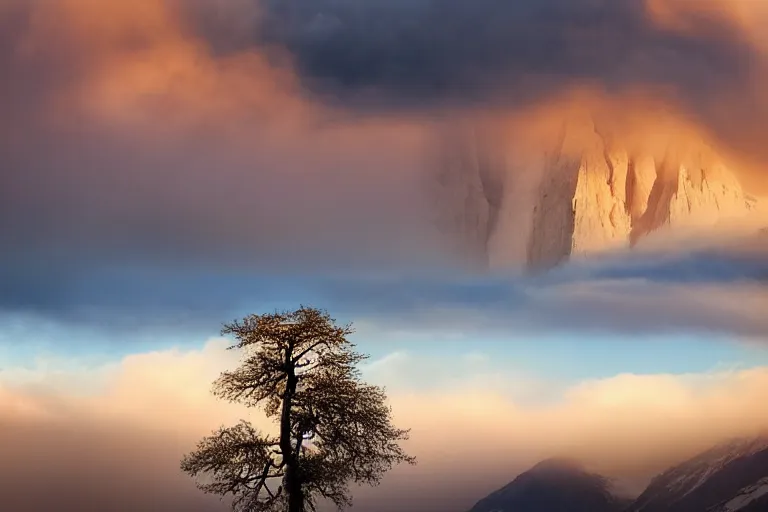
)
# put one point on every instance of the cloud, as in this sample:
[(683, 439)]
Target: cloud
[(455, 49), (130, 139), (721, 289), (708, 59), (118, 438), (688, 16), (93, 453)]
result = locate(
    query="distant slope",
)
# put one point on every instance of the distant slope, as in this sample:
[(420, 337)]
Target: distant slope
[(727, 478), (730, 477), (553, 486)]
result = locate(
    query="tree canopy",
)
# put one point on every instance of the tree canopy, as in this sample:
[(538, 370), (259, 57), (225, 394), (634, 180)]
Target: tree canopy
[(333, 429)]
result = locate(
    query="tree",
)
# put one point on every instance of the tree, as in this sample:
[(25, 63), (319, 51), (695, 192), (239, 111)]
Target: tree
[(333, 429)]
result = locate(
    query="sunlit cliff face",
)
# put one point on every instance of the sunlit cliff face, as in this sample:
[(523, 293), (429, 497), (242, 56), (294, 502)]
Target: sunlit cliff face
[(589, 175)]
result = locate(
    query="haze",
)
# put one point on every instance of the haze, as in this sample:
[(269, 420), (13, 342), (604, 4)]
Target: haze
[(168, 165)]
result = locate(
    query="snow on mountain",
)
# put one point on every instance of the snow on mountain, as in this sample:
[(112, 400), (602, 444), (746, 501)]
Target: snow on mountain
[(747, 496), (726, 478), (686, 478), (730, 477)]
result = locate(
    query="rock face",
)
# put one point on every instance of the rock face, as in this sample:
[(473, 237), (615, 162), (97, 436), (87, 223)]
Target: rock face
[(728, 478), (590, 194), (553, 486), (609, 198)]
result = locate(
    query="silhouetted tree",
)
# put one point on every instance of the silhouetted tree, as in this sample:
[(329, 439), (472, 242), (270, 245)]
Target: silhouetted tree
[(333, 428)]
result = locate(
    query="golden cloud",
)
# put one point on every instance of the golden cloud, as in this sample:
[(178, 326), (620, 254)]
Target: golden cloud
[(691, 16), (148, 410)]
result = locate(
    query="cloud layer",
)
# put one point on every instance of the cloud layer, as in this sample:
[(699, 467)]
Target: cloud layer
[(120, 432), (427, 50), (721, 289)]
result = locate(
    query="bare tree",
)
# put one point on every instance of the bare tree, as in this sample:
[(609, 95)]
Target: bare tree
[(300, 368)]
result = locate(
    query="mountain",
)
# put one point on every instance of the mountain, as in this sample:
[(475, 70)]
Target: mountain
[(609, 198), (589, 194), (730, 477), (727, 478), (553, 486)]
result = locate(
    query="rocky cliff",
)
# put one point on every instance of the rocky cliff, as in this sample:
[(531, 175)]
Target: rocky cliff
[(609, 198), (589, 194)]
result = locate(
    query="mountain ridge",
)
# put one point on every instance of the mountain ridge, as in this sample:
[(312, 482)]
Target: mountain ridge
[(729, 477), (588, 195), (607, 197), (554, 485), (708, 481)]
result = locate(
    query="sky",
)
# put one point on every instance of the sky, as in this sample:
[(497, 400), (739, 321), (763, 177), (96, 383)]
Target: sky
[(169, 165)]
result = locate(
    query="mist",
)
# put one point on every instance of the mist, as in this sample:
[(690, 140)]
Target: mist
[(167, 164)]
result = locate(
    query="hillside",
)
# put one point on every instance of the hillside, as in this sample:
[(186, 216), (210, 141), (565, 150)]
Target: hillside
[(730, 477)]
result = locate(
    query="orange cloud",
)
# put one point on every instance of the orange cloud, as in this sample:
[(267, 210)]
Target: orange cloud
[(139, 60), (691, 16), (643, 121), (738, 113)]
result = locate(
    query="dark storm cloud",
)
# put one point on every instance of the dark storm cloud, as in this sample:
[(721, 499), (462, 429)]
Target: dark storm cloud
[(702, 61), (496, 50)]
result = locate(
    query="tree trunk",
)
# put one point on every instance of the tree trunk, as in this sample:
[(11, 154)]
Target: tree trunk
[(292, 481), (295, 495)]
